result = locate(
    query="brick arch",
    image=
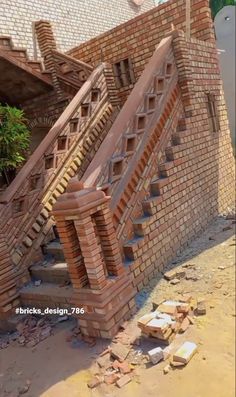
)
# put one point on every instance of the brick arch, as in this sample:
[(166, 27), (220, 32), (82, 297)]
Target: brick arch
[(41, 121)]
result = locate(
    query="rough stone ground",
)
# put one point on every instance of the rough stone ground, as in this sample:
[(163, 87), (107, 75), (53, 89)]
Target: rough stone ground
[(56, 368)]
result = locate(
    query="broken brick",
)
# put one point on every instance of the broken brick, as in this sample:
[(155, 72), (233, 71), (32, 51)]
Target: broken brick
[(184, 326), (175, 281), (170, 275), (201, 306), (111, 379), (124, 367), (94, 382), (123, 381), (119, 351)]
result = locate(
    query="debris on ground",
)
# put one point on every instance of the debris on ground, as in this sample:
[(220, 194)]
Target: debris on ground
[(94, 382), (201, 306), (174, 276), (116, 365), (169, 318), (156, 355), (29, 332)]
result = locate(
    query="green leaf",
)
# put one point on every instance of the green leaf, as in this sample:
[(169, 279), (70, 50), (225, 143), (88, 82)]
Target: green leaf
[(14, 137)]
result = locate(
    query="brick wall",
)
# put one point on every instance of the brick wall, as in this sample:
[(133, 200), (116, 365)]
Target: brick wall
[(73, 21), (138, 38)]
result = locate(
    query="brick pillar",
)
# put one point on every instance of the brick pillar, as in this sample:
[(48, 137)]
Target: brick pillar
[(101, 283), (72, 251), (47, 45), (92, 253), (182, 59), (106, 231), (46, 41)]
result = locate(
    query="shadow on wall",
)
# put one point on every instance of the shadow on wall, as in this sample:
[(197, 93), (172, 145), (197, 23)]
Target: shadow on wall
[(225, 34)]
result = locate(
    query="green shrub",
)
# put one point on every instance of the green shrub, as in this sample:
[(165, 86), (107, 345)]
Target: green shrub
[(14, 138)]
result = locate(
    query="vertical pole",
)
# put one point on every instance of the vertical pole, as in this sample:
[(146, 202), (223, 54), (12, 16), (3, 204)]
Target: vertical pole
[(188, 18)]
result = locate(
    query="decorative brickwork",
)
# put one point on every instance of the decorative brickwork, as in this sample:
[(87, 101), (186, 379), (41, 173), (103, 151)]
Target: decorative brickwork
[(101, 284)]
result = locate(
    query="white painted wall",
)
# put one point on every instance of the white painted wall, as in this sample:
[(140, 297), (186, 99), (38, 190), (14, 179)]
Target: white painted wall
[(225, 35)]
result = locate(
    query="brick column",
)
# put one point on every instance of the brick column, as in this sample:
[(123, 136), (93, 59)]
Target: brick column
[(101, 283), (72, 252), (182, 59), (46, 41), (110, 247), (92, 253), (47, 45)]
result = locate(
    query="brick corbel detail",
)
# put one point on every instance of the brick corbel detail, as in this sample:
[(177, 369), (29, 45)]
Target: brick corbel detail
[(100, 281)]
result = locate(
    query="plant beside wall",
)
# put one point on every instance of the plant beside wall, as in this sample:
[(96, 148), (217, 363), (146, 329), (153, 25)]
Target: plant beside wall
[(14, 141)]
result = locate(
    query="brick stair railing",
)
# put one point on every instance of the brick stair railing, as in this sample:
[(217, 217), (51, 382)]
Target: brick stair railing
[(67, 150), (136, 168), (113, 205)]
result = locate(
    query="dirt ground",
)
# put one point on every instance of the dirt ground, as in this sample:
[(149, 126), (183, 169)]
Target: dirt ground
[(58, 368)]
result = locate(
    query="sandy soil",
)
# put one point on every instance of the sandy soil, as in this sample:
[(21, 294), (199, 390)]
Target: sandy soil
[(56, 368)]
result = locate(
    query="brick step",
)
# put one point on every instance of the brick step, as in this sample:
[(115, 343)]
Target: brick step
[(54, 249), (46, 295), (130, 247), (174, 152), (18, 53), (35, 65), (181, 125), (56, 273), (140, 225), (150, 205), (157, 186), (165, 169)]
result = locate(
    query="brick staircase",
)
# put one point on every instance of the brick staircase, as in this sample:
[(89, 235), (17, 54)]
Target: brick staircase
[(122, 188), (66, 151), (54, 271), (20, 56), (138, 195)]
